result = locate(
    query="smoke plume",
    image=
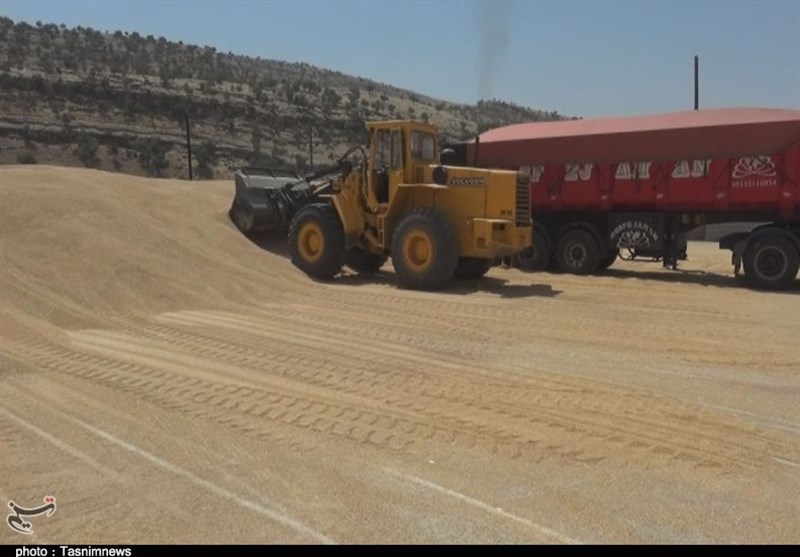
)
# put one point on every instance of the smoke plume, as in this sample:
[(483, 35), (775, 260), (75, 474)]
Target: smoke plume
[(494, 18)]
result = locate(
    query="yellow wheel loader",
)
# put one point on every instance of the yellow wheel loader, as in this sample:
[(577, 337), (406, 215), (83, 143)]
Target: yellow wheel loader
[(395, 200)]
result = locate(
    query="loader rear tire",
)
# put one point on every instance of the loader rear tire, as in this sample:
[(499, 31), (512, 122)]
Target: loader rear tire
[(472, 267), (316, 241), (424, 249), (363, 261)]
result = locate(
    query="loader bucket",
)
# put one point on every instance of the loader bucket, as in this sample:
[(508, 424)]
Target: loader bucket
[(266, 199)]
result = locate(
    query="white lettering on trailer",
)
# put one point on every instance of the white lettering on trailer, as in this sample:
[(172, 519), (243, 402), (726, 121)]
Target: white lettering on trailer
[(681, 170), (534, 171), (765, 183), (630, 171), (634, 225), (578, 171), (699, 169)]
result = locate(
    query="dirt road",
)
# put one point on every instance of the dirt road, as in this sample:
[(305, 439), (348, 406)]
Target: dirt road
[(169, 381)]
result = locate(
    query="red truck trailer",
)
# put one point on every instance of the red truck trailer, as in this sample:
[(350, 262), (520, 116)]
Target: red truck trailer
[(638, 184)]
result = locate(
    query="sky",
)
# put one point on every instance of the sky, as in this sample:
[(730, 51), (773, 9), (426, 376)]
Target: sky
[(578, 57)]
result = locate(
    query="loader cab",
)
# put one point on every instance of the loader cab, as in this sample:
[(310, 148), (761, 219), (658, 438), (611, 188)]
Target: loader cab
[(397, 149)]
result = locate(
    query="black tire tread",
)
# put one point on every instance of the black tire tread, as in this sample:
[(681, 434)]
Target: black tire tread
[(593, 254), (446, 252), (784, 244), (332, 260), (538, 256)]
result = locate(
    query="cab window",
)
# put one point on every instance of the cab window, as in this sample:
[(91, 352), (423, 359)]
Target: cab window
[(397, 152), (423, 146), (383, 150)]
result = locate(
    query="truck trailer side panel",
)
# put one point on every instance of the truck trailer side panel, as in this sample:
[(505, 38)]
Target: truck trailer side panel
[(662, 174)]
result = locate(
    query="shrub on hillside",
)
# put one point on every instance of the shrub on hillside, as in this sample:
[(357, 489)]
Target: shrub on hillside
[(206, 156), (152, 155), (86, 150)]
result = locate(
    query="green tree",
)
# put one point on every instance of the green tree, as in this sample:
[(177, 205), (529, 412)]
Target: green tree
[(255, 139), (206, 156), (26, 135), (330, 100), (152, 155), (86, 150), (26, 158)]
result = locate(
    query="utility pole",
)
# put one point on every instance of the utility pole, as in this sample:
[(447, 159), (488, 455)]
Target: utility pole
[(478, 111), (188, 142), (311, 146), (696, 82)]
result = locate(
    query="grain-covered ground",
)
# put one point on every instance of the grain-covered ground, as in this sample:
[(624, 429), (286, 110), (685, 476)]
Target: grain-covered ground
[(168, 380)]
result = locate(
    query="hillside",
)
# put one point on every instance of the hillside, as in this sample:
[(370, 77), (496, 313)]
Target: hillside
[(117, 101)]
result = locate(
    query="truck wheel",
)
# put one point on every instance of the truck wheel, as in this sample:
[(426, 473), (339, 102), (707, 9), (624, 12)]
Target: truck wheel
[(316, 241), (472, 267), (536, 257), (577, 252), (770, 262), (424, 249), (364, 261)]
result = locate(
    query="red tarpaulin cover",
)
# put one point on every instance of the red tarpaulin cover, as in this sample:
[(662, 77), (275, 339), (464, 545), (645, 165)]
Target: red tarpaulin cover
[(696, 134)]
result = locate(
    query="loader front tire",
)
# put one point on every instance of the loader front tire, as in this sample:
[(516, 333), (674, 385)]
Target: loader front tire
[(316, 241), (424, 249)]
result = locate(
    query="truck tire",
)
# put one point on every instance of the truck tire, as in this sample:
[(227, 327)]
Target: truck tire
[(472, 267), (424, 249), (577, 252), (770, 262), (316, 241), (363, 261), (536, 257)]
